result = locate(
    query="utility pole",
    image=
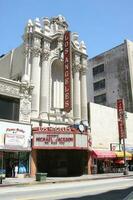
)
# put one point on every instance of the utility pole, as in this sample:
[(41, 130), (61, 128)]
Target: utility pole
[(125, 162)]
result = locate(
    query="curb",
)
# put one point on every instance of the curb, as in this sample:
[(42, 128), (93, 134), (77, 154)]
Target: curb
[(61, 181)]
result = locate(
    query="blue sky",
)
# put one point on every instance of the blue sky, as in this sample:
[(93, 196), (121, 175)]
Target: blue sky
[(102, 24)]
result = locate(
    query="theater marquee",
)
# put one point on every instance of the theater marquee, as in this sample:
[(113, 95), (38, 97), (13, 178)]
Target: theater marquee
[(56, 140), (49, 140)]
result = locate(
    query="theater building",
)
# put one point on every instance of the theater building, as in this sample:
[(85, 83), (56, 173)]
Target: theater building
[(53, 62)]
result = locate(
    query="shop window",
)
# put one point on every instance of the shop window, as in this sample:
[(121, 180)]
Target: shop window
[(2, 170), (9, 108), (12, 159), (23, 162), (101, 99), (98, 69), (99, 85)]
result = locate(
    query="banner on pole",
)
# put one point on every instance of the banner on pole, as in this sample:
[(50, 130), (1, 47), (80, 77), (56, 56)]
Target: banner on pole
[(121, 118)]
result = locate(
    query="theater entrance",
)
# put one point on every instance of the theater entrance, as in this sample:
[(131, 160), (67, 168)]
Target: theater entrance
[(62, 162)]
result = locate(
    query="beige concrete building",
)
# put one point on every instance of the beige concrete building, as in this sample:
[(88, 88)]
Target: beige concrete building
[(110, 76), (107, 149)]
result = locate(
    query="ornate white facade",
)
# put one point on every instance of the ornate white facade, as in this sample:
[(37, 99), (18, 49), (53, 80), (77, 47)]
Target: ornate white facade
[(39, 69), (43, 52)]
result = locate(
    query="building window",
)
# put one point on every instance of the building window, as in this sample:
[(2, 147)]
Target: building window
[(101, 99), (98, 69), (99, 85), (9, 108)]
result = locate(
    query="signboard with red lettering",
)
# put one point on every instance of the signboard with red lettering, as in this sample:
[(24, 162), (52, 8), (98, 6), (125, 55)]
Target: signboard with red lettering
[(67, 72), (15, 136), (121, 118), (63, 138), (53, 140)]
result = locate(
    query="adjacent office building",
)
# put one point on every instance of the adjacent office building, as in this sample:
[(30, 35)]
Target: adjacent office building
[(110, 76)]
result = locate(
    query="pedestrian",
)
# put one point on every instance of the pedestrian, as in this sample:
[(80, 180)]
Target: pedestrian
[(12, 165), (16, 171)]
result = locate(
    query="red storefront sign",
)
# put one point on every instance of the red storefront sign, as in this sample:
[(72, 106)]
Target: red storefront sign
[(121, 118), (67, 72)]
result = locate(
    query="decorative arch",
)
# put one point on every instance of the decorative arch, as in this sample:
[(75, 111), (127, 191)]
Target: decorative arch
[(57, 84)]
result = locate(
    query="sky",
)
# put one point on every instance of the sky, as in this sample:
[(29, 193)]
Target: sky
[(101, 24)]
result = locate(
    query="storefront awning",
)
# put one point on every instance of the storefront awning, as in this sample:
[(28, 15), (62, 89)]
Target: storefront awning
[(103, 154), (120, 154)]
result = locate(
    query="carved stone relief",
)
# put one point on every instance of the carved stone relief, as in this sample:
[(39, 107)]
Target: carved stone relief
[(25, 110), (9, 90), (35, 51), (25, 102), (45, 54), (76, 68)]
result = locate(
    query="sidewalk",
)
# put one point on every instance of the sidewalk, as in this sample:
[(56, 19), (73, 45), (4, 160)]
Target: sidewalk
[(31, 181)]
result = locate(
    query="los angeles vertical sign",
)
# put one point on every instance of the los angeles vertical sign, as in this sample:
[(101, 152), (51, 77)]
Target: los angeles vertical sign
[(67, 71)]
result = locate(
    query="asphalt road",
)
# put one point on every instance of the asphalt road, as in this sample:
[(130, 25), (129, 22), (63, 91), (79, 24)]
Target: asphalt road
[(107, 189)]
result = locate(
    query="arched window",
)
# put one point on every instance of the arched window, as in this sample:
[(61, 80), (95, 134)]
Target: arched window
[(57, 87)]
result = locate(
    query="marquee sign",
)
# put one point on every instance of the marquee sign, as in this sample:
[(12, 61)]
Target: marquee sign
[(55, 140), (121, 118), (67, 72)]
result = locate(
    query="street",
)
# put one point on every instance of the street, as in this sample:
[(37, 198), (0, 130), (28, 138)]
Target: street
[(107, 189)]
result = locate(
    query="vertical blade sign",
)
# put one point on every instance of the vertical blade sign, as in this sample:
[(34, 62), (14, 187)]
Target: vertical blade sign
[(121, 118), (67, 72)]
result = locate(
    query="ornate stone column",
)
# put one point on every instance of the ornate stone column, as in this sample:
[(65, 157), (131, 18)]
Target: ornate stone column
[(27, 53), (76, 90), (83, 86), (35, 75), (25, 76), (44, 87)]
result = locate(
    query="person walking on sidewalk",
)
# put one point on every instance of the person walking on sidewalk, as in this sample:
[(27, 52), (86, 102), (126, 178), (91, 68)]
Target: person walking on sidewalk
[(16, 171)]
